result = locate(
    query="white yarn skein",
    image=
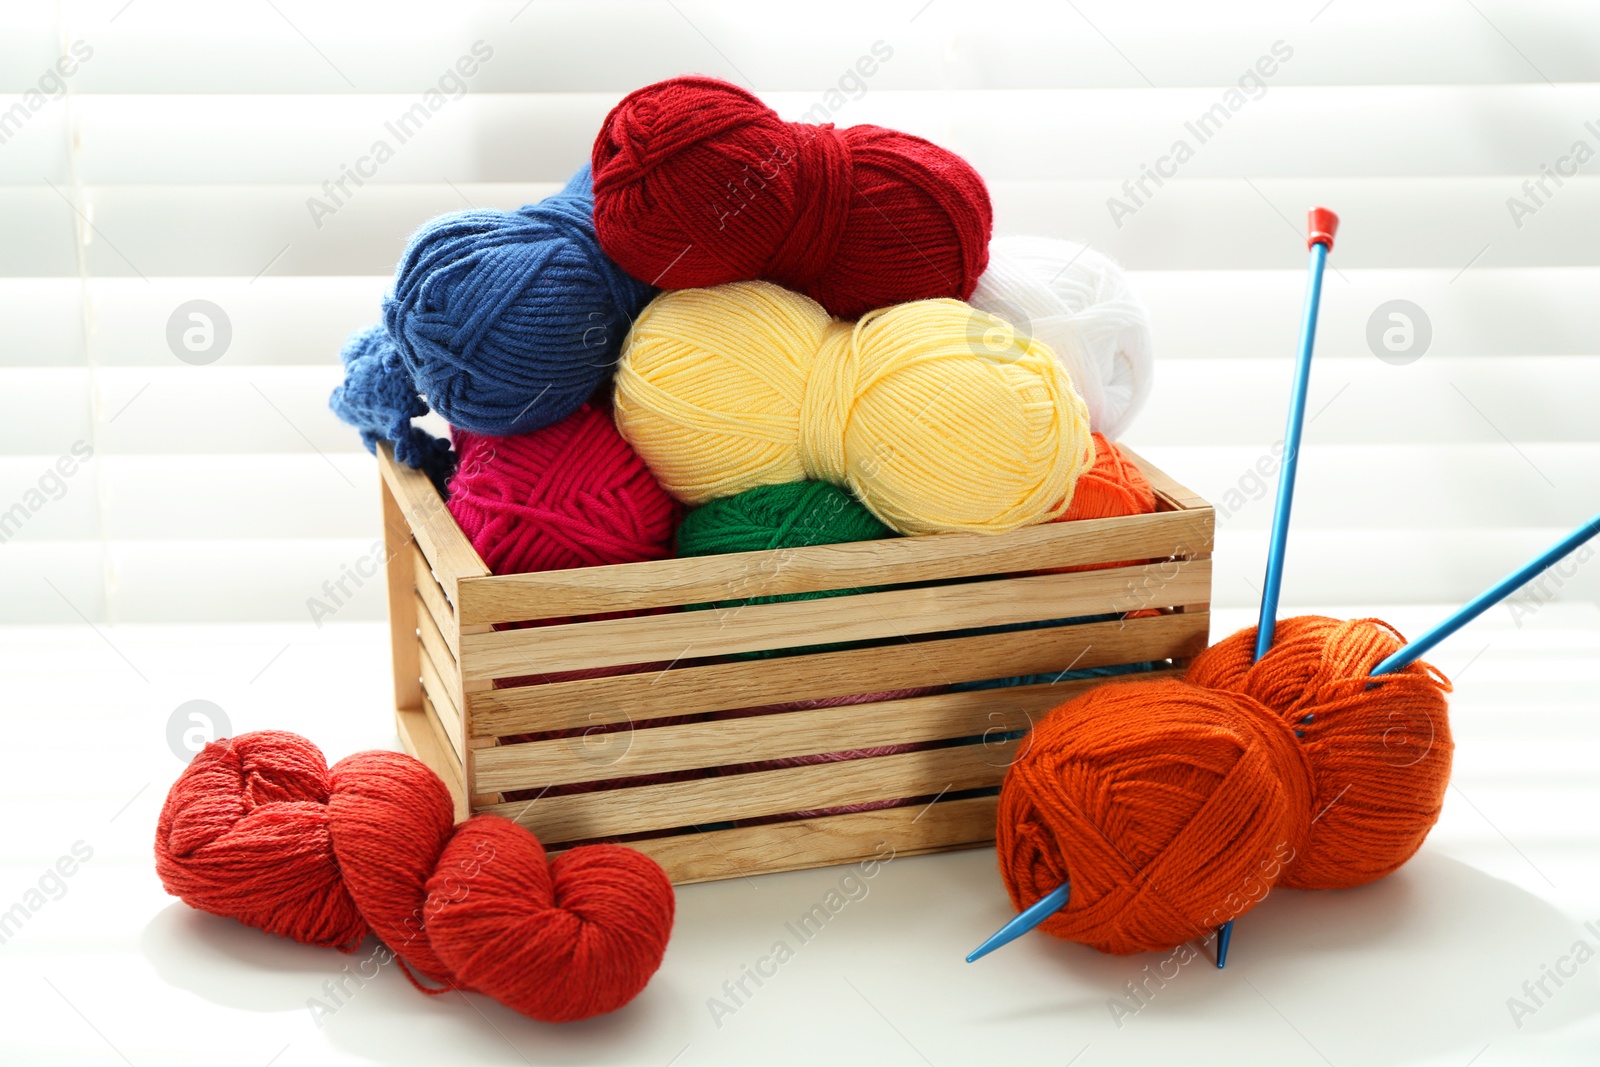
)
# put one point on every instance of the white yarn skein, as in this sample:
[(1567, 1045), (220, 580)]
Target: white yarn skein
[(1078, 302)]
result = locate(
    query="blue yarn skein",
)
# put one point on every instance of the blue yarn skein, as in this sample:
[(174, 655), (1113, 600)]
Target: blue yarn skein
[(377, 398), (509, 320), (505, 321)]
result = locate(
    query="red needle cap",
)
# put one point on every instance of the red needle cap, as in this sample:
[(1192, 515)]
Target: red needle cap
[(1321, 225)]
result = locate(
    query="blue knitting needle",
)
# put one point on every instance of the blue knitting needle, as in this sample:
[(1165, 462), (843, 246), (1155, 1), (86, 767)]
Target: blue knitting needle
[(1052, 902), (1488, 599), (1036, 913), (1322, 224)]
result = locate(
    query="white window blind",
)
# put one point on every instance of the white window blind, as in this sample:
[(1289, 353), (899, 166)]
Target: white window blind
[(154, 154)]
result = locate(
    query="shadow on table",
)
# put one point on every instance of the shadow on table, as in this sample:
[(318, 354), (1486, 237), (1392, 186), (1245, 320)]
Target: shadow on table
[(1414, 965), (382, 1018)]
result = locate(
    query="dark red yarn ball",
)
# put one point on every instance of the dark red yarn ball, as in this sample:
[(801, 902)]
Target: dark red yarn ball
[(573, 494), (259, 829), (697, 183)]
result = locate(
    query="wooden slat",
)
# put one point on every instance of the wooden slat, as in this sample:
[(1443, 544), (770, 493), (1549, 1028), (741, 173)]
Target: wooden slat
[(433, 642), (449, 553), (1175, 494), (433, 598), (422, 738), (865, 616), (661, 583), (829, 839), (722, 686), (776, 736), (742, 796), (403, 648), (444, 705)]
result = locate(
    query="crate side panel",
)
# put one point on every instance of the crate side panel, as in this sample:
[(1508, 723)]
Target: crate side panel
[(423, 738), (893, 561), (909, 665), (434, 600), (645, 808), (885, 835), (898, 613), (777, 735), (449, 553)]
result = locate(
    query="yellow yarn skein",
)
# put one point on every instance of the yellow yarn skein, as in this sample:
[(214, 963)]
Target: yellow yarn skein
[(938, 417)]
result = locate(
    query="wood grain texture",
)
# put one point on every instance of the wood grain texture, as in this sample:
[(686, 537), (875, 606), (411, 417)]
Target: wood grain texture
[(859, 837), (422, 737), (450, 554), (1176, 495), (779, 735), (433, 599), (445, 705), (942, 661), (404, 649), (897, 613), (893, 561), (742, 796), (433, 643)]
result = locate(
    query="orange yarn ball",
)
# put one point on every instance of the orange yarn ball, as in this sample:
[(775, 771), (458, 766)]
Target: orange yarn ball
[(1380, 756), (1157, 801), (1172, 807), (1114, 486)]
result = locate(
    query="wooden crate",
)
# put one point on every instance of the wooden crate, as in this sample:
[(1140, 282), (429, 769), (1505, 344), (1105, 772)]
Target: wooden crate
[(447, 613)]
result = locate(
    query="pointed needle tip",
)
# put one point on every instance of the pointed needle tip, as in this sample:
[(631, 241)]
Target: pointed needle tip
[(1030, 917)]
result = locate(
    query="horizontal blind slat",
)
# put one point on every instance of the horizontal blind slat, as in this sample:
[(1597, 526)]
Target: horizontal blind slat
[(1198, 225), (613, 46), (1278, 131)]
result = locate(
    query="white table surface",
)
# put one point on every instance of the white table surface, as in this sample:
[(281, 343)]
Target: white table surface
[(1416, 969)]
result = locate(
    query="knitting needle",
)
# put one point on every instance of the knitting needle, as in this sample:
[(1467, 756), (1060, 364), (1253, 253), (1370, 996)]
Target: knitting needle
[(1488, 599), (1032, 916), (1054, 901), (1321, 226)]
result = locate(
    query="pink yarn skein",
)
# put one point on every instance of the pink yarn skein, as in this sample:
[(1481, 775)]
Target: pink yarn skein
[(573, 494)]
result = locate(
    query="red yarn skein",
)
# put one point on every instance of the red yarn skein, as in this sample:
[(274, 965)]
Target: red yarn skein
[(574, 494), (697, 183), (1173, 807), (259, 829)]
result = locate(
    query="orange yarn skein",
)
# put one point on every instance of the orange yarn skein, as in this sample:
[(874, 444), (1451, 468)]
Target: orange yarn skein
[(1172, 807), (1380, 755), (1113, 487)]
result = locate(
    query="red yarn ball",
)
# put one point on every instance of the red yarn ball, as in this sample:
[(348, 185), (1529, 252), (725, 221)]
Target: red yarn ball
[(570, 495), (697, 183), (259, 829)]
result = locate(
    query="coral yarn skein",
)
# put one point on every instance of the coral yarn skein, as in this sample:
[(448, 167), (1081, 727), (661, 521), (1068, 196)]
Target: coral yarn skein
[(258, 828)]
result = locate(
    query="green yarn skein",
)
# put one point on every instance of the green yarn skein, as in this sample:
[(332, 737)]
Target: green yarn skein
[(792, 515)]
